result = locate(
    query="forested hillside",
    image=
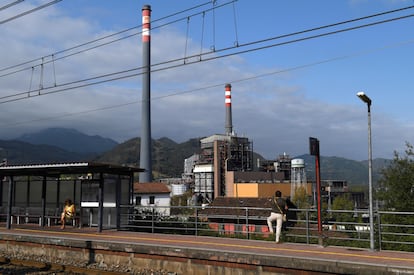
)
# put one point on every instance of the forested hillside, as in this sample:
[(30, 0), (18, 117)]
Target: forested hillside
[(168, 155)]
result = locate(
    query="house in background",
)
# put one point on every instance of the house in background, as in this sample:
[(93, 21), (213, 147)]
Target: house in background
[(153, 194)]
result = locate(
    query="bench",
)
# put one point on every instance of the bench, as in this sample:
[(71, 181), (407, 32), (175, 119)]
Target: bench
[(3, 214), (52, 215), (16, 212), (27, 215), (54, 218), (22, 215)]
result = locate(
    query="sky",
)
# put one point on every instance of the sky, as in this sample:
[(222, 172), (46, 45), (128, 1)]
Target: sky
[(295, 68)]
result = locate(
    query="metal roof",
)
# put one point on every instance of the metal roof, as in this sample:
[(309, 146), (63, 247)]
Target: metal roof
[(67, 168), (150, 188)]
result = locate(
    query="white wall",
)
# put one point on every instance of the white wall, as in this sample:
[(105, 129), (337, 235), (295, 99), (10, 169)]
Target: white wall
[(161, 202)]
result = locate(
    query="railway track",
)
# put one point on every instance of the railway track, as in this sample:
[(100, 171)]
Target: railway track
[(31, 267)]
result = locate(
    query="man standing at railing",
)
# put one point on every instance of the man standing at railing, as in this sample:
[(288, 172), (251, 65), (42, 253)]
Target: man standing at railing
[(279, 209)]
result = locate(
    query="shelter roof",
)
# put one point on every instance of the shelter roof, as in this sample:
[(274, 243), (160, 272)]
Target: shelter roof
[(150, 188), (67, 168)]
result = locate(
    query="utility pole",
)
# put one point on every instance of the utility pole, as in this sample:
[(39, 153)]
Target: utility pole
[(314, 150)]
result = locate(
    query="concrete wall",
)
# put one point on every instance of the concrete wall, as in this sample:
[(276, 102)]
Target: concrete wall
[(263, 190), (181, 260), (135, 257), (162, 201)]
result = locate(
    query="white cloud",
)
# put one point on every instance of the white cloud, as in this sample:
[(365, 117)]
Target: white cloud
[(274, 113)]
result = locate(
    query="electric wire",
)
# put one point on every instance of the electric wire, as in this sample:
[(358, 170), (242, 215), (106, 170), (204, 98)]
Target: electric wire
[(214, 26), (25, 95), (307, 38), (140, 32), (29, 11), (31, 79), (101, 39), (213, 48), (235, 81), (127, 30), (54, 69), (62, 51), (202, 33), (235, 25), (186, 37), (217, 85), (41, 78), (332, 25), (199, 57), (119, 75), (99, 45), (29, 93), (11, 4), (318, 28)]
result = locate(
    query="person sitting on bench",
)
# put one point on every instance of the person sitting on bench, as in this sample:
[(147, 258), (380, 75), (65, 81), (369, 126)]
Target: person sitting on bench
[(67, 213)]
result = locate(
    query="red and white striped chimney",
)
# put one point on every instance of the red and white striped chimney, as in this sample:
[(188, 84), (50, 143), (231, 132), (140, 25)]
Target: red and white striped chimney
[(146, 23), (227, 102)]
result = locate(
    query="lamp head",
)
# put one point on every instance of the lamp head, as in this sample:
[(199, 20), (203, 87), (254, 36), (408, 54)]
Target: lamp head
[(364, 98)]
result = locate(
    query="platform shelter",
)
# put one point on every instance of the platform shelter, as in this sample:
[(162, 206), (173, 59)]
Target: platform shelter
[(102, 193)]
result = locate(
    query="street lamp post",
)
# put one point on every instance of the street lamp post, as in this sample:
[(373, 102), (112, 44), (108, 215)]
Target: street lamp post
[(367, 100)]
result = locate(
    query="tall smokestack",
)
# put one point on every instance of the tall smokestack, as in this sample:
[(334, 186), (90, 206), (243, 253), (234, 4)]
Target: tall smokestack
[(227, 101), (145, 154)]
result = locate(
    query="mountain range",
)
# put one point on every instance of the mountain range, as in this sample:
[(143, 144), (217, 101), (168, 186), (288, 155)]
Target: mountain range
[(55, 145), (70, 140)]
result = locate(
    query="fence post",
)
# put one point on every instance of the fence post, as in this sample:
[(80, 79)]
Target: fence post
[(196, 221), (307, 226), (152, 220), (247, 223), (379, 230)]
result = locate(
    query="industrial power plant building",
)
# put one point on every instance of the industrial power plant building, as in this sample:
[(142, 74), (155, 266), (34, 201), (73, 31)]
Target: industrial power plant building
[(225, 167)]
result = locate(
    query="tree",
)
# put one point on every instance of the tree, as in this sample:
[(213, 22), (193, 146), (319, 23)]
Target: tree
[(396, 186), (301, 199), (395, 192), (343, 202)]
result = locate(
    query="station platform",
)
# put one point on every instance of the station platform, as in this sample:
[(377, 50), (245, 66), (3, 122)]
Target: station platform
[(185, 254)]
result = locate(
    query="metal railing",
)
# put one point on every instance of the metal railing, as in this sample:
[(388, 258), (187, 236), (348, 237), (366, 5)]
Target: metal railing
[(393, 230)]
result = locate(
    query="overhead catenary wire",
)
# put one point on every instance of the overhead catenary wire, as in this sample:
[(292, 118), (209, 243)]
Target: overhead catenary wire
[(52, 58), (186, 37), (102, 39), (213, 49), (29, 11), (54, 69), (305, 38), (194, 90), (10, 5), (235, 25), (123, 74), (31, 79), (202, 33), (179, 93), (132, 34)]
